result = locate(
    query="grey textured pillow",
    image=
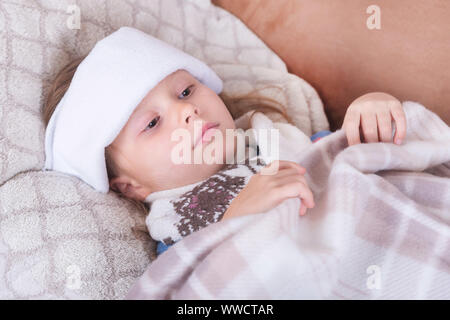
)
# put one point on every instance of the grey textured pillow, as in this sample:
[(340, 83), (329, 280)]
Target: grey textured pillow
[(59, 238)]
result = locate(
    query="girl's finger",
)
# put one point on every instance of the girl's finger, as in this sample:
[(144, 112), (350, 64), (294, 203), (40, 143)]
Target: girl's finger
[(369, 127), (290, 164), (400, 123), (298, 189), (384, 126), (302, 208), (287, 172), (277, 165), (292, 178), (351, 127)]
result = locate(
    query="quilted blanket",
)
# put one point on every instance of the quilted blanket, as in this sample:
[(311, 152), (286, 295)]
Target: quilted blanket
[(379, 230)]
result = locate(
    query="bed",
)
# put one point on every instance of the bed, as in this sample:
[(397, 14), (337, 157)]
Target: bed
[(59, 239)]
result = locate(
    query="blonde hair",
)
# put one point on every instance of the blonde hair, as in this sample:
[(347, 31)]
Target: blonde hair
[(237, 105)]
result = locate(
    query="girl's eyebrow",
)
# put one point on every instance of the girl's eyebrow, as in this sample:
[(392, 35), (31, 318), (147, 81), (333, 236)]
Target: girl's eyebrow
[(179, 75), (177, 80)]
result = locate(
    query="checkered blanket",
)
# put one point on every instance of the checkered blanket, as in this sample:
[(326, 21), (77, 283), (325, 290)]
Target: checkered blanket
[(380, 230)]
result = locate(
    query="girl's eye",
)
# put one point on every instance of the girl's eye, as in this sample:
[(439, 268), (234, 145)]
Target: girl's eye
[(186, 92), (152, 123)]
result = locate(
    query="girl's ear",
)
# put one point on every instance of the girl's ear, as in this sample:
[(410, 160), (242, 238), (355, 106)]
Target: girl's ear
[(118, 185), (125, 187)]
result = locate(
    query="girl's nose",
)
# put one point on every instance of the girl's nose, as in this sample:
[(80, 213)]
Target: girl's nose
[(188, 112)]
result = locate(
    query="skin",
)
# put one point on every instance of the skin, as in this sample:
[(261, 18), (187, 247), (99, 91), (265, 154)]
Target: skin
[(264, 192), (142, 149), (371, 117)]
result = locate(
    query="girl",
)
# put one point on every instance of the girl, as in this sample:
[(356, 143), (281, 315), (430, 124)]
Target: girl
[(110, 117)]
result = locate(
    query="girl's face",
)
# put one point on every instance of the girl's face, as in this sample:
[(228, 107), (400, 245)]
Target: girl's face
[(143, 149)]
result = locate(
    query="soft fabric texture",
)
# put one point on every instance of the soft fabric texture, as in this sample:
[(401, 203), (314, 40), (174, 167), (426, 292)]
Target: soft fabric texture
[(52, 223), (106, 88), (380, 230)]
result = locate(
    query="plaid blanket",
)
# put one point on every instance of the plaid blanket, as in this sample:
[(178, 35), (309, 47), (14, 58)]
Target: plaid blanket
[(379, 230)]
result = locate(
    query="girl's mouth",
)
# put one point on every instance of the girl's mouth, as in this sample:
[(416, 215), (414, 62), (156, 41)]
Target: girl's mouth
[(207, 132)]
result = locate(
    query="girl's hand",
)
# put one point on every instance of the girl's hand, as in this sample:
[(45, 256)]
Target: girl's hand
[(375, 112), (265, 191)]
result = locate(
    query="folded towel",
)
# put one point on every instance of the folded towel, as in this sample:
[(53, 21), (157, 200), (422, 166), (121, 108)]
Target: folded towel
[(106, 88)]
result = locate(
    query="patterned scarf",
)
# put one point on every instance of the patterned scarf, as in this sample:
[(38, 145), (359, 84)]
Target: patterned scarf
[(178, 212)]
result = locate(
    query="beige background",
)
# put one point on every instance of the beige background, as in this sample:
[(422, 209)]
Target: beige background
[(328, 44)]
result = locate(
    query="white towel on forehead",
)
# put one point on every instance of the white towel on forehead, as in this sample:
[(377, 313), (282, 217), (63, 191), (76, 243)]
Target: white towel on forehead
[(106, 88)]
